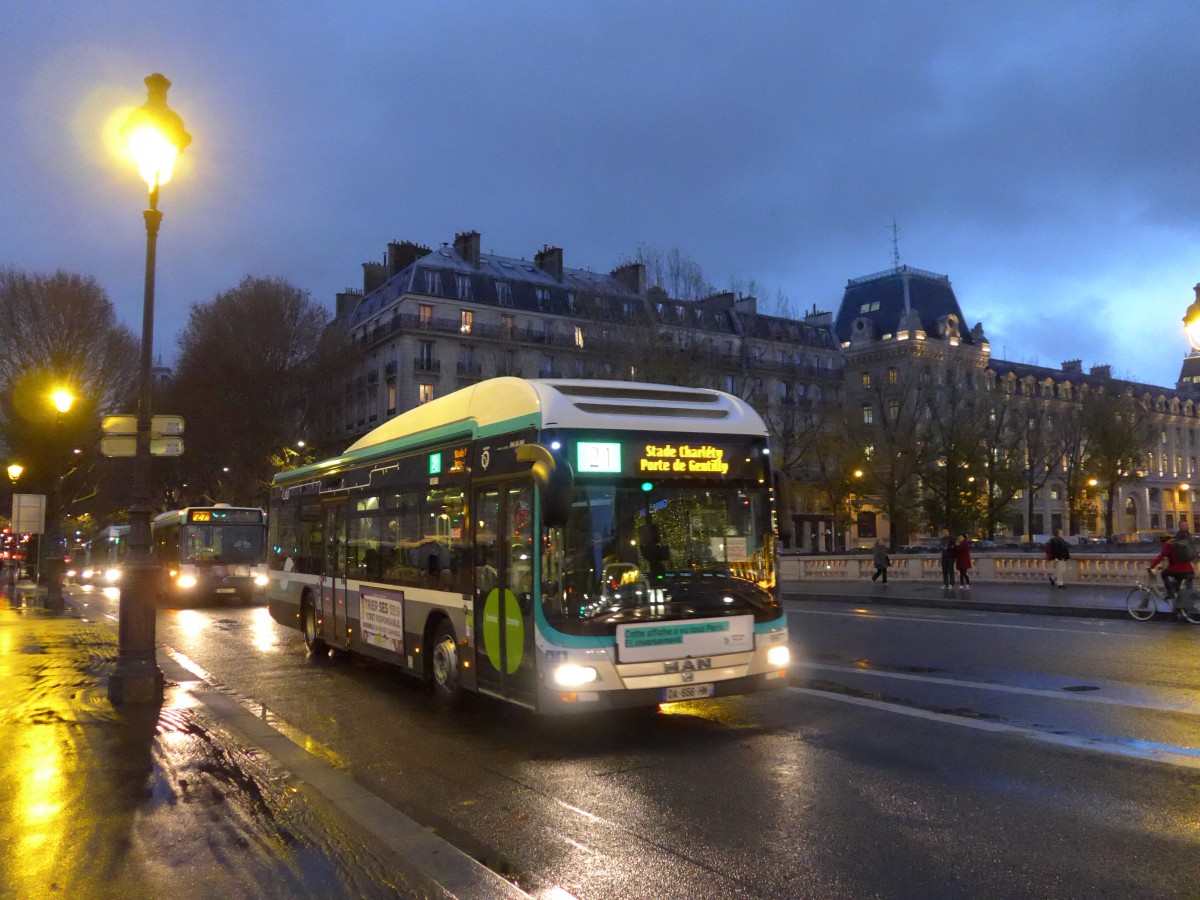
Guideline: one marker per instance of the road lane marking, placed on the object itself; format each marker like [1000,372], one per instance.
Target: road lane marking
[1192,708]
[1139,750]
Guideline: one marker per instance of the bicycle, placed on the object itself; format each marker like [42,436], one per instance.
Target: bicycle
[1144,600]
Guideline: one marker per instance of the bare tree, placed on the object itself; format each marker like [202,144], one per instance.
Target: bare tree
[1121,428]
[955,423]
[893,450]
[1003,456]
[249,361]
[61,331]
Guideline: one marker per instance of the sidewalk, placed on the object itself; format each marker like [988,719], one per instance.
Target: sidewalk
[198,798]
[1090,600]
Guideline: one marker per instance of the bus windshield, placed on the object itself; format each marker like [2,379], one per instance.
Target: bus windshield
[632,555]
[222,544]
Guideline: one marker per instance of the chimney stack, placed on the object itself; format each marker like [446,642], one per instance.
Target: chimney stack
[1073,366]
[549,260]
[1102,371]
[375,275]
[466,245]
[633,276]
[402,255]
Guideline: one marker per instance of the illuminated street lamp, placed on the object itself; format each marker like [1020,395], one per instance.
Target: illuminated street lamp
[14,471]
[1191,321]
[62,400]
[154,136]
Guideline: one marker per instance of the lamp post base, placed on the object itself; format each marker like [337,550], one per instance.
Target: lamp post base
[137,678]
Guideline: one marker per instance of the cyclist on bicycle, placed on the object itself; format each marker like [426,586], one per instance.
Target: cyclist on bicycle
[1177,554]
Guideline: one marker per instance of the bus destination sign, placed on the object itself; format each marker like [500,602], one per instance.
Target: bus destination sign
[671,459]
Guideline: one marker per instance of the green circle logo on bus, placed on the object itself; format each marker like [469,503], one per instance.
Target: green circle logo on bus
[514,629]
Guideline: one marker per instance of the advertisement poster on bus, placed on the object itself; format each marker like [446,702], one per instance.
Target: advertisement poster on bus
[383,618]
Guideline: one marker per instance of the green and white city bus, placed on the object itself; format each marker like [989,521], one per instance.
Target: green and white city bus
[565,545]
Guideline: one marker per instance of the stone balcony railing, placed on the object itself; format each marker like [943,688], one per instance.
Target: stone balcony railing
[1011,568]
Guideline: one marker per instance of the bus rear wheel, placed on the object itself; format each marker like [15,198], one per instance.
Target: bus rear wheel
[443,664]
[312,637]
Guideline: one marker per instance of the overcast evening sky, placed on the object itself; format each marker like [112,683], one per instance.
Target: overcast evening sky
[1044,155]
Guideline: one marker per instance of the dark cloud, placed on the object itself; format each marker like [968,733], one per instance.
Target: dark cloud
[1037,153]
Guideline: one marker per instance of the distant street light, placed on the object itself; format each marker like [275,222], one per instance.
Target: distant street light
[14,471]
[154,136]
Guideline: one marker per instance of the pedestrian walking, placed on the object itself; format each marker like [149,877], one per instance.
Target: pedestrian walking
[1058,551]
[962,561]
[946,545]
[882,560]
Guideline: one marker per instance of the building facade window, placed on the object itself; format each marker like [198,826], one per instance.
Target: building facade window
[866,379]
[892,375]
[466,321]
[463,283]
[507,324]
[868,414]
[579,337]
[893,410]
[425,315]
[433,283]
[391,396]
[424,392]
[504,293]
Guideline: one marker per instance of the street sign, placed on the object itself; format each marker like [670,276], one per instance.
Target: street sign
[126,445]
[160,426]
[29,513]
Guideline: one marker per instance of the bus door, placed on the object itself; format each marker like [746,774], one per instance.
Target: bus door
[333,575]
[504,590]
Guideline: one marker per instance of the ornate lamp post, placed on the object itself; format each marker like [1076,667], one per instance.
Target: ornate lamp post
[155,136]
[63,400]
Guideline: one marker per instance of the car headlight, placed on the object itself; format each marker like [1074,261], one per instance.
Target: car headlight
[112,575]
[186,581]
[571,675]
[87,574]
[260,580]
[779,655]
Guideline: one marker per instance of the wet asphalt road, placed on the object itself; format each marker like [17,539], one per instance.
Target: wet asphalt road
[920,754]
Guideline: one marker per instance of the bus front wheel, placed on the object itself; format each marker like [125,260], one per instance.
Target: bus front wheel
[312,637]
[443,661]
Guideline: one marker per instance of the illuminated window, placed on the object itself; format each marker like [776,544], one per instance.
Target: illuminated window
[424,392]
[425,315]
[868,414]
[506,323]
[892,375]
[466,321]
[866,379]
[578,337]
[391,396]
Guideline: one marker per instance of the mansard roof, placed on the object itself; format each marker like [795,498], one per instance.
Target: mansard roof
[523,277]
[886,296]
[1092,379]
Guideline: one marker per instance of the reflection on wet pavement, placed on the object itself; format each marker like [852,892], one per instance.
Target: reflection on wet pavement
[143,801]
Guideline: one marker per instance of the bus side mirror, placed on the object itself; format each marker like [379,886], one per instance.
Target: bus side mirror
[555,481]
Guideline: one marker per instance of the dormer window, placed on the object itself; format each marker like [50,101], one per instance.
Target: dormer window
[504,293]
[433,283]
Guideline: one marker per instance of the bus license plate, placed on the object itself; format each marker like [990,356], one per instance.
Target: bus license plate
[687,692]
[226,590]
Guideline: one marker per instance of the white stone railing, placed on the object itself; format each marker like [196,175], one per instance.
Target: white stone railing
[1005,567]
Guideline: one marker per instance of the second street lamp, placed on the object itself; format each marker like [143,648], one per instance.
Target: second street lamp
[155,136]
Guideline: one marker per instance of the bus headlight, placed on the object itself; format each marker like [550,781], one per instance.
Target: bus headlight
[260,580]
[571,675]
[87,574]
[186,581]
[112,576]
[779,655]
